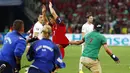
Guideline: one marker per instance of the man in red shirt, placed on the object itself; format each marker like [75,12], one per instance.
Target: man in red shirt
[58,29]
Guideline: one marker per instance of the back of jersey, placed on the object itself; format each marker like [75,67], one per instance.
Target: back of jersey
[7,51]
[14,45]
[44,55]
[44,50]
[93,42]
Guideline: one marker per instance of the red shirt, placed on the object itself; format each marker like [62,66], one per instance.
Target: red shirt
[58,35]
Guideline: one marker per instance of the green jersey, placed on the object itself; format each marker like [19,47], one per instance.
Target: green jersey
[93,42]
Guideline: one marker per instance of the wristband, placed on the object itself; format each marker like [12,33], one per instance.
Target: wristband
[114,57]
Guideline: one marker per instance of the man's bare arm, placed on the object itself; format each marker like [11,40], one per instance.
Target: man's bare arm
[109,52]
[76,42]
[53,12]
[107,49]
[44,14]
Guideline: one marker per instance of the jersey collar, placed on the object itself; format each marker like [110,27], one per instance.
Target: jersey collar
[45,39]
[19,34]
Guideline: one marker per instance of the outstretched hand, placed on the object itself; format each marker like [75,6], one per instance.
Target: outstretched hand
[118,61]
[71,42]
[43,8]
[115,58]
[50,4]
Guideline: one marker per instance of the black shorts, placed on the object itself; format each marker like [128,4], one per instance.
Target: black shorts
[5,67]
[34,70]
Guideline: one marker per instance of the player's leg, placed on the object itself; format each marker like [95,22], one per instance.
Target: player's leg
[92,65]
[96,68]
[81,65]
[62,49]
[62,52]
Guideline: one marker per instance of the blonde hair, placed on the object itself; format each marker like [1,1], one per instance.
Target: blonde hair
[46,31]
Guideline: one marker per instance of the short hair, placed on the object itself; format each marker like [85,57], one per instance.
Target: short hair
[88,15]
[40,16]
[47,29]
[17,25]
[98,26]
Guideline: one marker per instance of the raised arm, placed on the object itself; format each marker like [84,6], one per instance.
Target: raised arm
[53,12]
[44,14]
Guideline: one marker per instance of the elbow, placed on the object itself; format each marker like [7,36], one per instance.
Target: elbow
[17,54]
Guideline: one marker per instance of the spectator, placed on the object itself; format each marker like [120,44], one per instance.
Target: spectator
[6,29]
[1,39]
[73,12]
[124,29]
[117,29]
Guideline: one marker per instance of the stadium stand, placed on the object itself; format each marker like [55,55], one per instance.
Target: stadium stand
[114,14]
[74,13]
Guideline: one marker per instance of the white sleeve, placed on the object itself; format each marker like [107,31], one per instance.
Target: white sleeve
[84,28]
[36,28]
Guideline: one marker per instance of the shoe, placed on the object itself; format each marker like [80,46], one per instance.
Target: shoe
[26,70]
[81,71]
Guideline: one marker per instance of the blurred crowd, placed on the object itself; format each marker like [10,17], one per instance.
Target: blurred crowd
[114,14]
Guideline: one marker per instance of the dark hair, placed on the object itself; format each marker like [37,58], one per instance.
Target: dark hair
[17,25]
[98,26]
[88,15]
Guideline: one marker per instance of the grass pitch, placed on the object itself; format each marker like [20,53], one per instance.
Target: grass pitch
[73,54]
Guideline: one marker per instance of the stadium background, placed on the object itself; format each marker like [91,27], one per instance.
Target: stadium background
[113,14]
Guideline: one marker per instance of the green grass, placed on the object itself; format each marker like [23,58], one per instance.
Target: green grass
[108,65]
